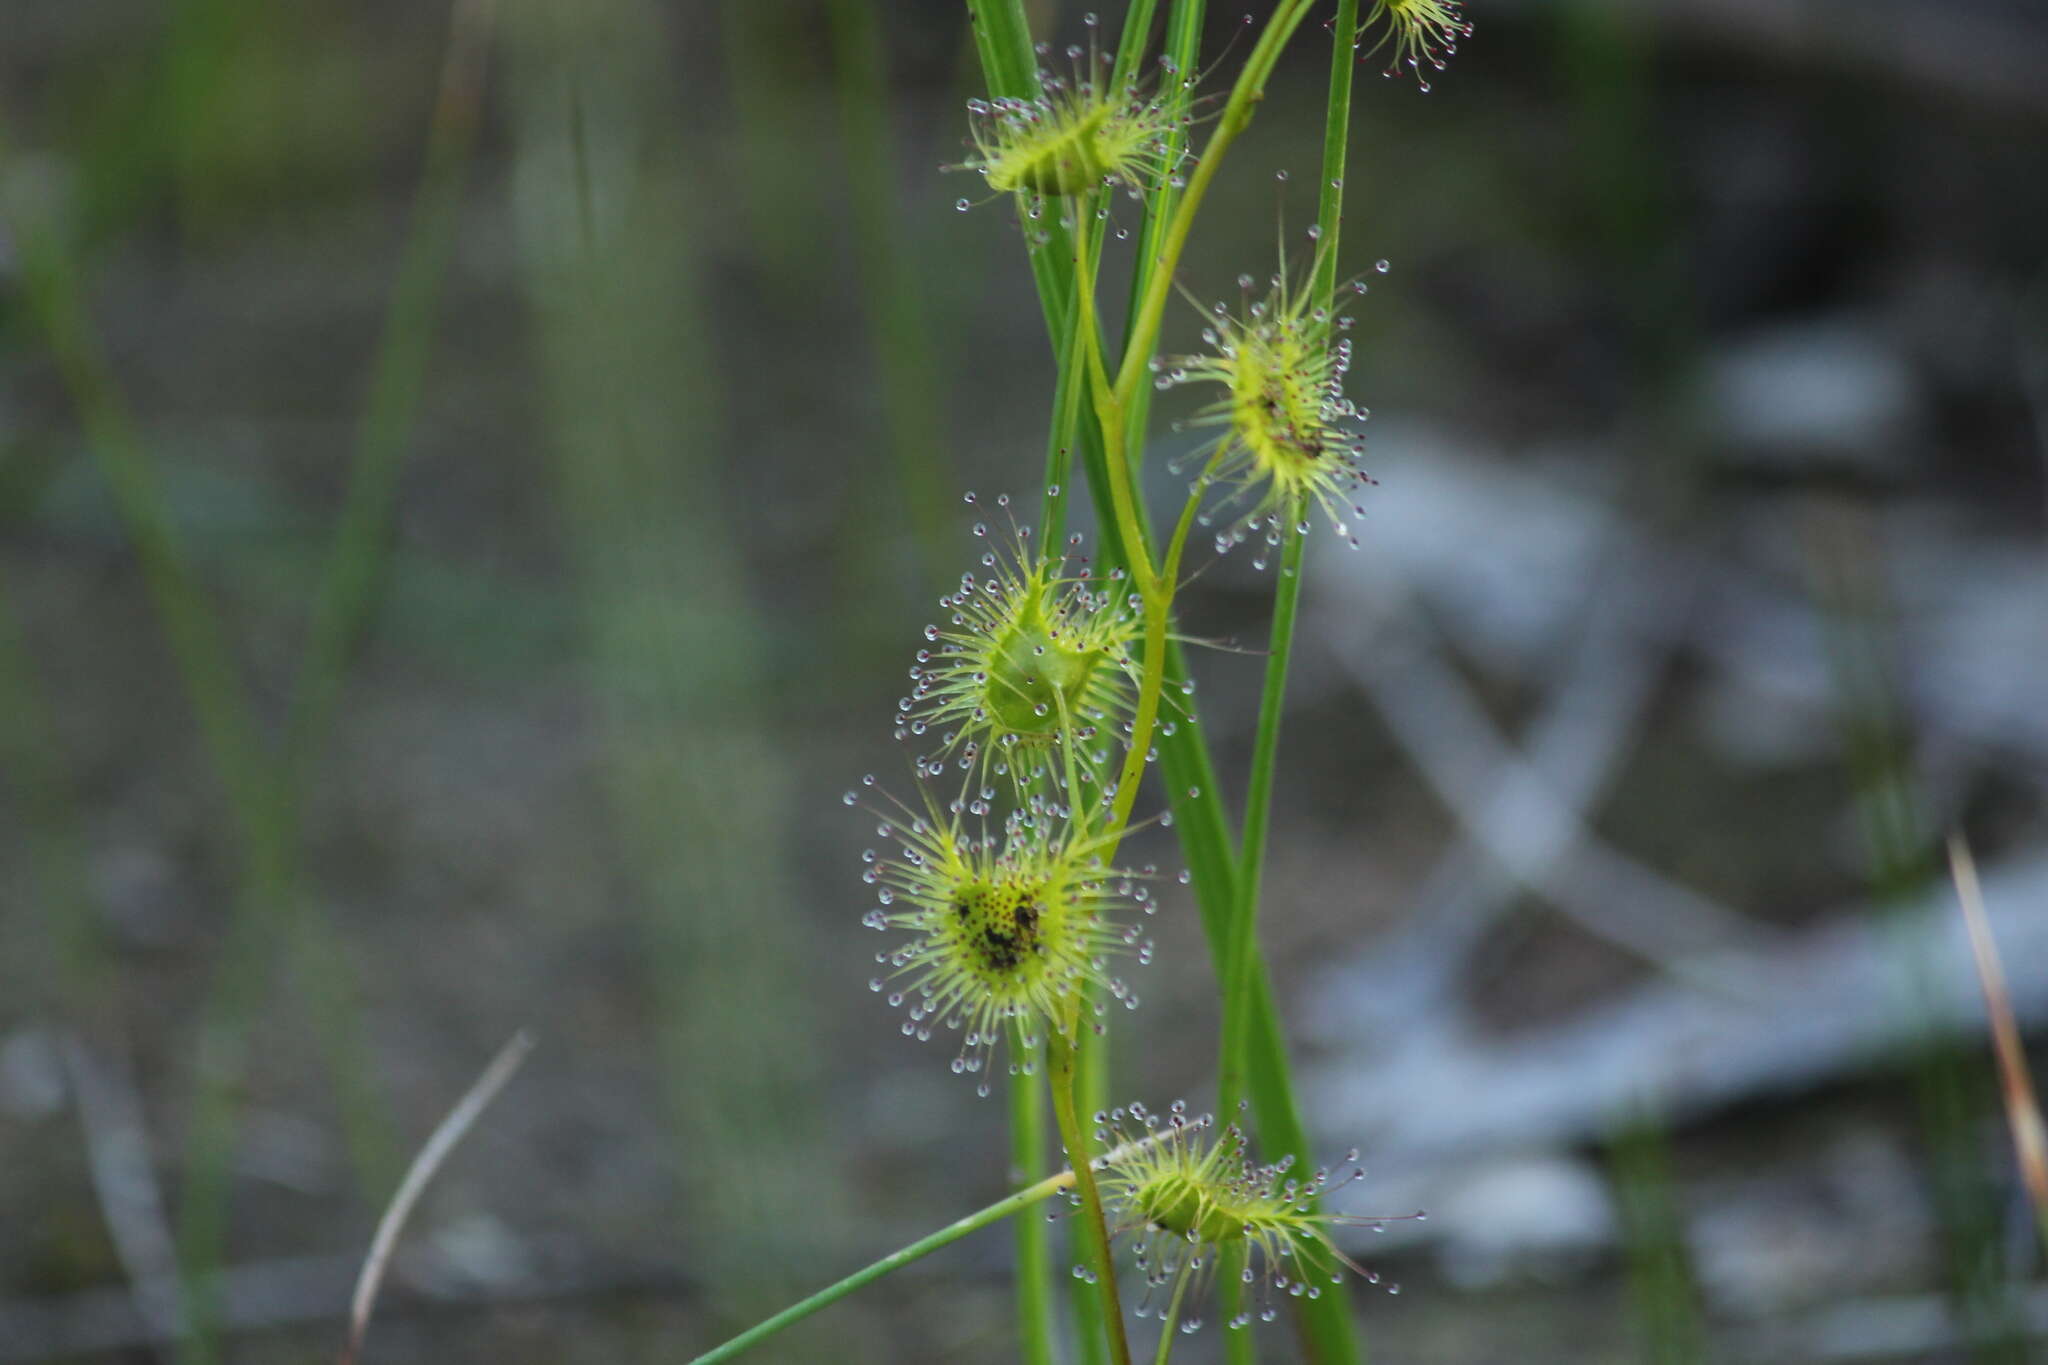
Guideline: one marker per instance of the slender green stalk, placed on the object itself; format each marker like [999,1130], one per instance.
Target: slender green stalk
[1240,1347]
[1257,818]
[1237,116]
[1112,398]
[866,1275]
[1002,35]
[1090,1328]
[1237,973]
[1336,140]
[1080,1157]
[1171,1321]
[1158,607]
[1070,382]
[1130,43]
[1155,586]
[1036,1193]
[1091,1324]
[1059,447]
[1091,1083]
[1183,49]
[1327,1326]
[1033,1246]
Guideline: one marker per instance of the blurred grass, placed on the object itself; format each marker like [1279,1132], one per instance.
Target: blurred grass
[227,724]
[774,81]
[265,787]
[913,395]
[58,968]
[259,105]
[1951,1083]
[1663,1297]
[606,201]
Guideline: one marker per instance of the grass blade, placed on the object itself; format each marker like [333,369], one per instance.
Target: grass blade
[2016,1082]
[451,1130]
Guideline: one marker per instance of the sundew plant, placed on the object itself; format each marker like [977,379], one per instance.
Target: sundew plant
[1052,681]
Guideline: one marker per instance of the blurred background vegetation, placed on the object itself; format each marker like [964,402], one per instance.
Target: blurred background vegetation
[470,482]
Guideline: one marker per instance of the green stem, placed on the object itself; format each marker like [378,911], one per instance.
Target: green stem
[1257,817]
[1002,38]
[1240,1346]
[924,1246]
[1091,1096]
[1091,1071]
[1155,588]
[1336,138]
[1183,47]
[1247,1010]
[1237,115]
[1152,681]
[1113,399]
[1033,1246]
[1059,452]
[1130,45]
[1172,1318]
[1080,353]
[1023,1199]
[1080,1157]
[1234,1061]
[1091,1318]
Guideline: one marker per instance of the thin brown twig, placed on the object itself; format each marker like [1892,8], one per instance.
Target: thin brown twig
[421,1171]
[2022,1109]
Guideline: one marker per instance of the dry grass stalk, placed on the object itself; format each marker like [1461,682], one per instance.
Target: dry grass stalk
[2022,1109]
[422,1170]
